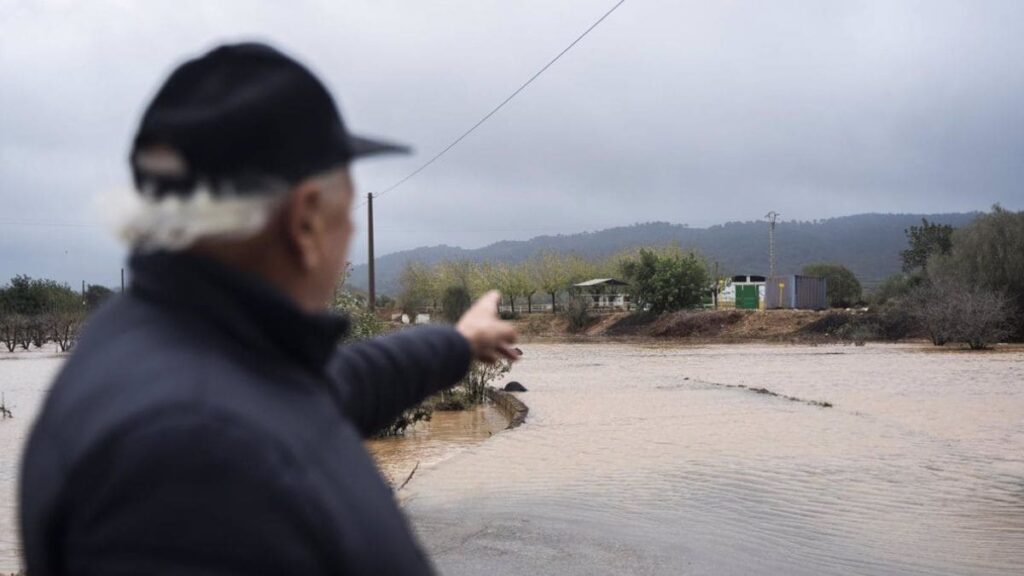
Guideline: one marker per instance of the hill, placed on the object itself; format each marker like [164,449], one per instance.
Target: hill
[868,244]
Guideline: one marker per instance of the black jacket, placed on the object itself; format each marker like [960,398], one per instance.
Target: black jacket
[206,425]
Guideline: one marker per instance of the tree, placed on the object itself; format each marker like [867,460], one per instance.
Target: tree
[34,311]
[363,322]
[462,273]
[526,271]
[989,254]
[455,302]
[843,287]
[953,310]
[96,295]
[512,281]
[419,287]
[666,281]
[552,275]
[895,288]
[579,269]
[925,241]
[8,320]
[65,315]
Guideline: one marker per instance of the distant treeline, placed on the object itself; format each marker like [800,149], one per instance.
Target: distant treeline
[34,312]
[868,244]
[959,284]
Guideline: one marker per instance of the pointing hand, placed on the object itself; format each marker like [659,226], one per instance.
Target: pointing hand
[490,338]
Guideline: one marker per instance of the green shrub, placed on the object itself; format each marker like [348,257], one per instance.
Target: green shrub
[455,302]
[666,280]
[577,312]
[843,287]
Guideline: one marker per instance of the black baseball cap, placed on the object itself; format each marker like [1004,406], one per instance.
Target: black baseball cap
[241,113]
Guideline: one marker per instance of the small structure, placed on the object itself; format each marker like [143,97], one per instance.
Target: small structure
[749,291]
[745,292]
[796,292]
[607,293]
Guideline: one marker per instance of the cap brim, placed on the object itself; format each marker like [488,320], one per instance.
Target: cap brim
[360,147]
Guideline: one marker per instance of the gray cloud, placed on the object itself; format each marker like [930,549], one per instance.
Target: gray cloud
[689,112]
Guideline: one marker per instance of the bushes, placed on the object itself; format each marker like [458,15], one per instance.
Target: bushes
[363,321]
[455,302]
[895,288]
[405,420]
[890,323]
[843,287]
[667,280]
[577,312]
[701,324]
[33,312]
[951,310]
[989,254]
[471,391]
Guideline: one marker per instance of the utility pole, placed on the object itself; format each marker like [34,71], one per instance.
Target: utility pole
[122,280]
[772,217]
[370,264]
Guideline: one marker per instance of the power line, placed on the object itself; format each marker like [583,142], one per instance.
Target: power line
[51,224]
[494,111]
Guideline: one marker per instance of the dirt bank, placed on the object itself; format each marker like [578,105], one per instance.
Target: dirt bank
[728,326]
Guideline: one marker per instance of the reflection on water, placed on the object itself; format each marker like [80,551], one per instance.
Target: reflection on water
[638,460]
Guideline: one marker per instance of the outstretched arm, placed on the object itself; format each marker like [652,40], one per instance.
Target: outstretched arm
[380,378]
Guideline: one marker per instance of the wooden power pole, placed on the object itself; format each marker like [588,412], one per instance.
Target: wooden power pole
[372,303]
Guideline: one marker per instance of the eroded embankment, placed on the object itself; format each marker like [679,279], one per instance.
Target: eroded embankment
[512,407]
[732,326]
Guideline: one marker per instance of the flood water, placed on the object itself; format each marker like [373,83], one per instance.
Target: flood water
[429,444]
[24,378]
[643,460]
[640,460]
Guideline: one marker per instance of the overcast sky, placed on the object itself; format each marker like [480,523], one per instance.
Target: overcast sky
[690,112]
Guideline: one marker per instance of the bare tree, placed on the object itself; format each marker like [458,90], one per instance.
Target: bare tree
[952,310]
[8,331]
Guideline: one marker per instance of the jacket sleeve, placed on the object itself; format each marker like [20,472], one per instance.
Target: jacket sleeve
[190,494]
[377,379]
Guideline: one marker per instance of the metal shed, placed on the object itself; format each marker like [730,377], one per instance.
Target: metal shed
[796,292]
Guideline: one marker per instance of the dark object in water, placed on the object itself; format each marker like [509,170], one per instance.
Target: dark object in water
[514,387]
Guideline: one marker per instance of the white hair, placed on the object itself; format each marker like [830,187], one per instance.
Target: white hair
[175,223]
[172,222]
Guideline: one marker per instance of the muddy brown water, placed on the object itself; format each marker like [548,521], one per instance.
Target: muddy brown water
[643,460]
[25,376]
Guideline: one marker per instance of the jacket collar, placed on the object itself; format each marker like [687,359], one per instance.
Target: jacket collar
[244,306]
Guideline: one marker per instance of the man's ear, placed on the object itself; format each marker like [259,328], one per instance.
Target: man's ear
[304,224]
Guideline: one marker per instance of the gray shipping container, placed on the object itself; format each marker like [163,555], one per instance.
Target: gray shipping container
[796,292]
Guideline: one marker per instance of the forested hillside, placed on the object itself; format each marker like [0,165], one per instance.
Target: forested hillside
[868,244]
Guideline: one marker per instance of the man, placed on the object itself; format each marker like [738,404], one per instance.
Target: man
[207,422]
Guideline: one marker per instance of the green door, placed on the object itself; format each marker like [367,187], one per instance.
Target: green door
[746,296]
